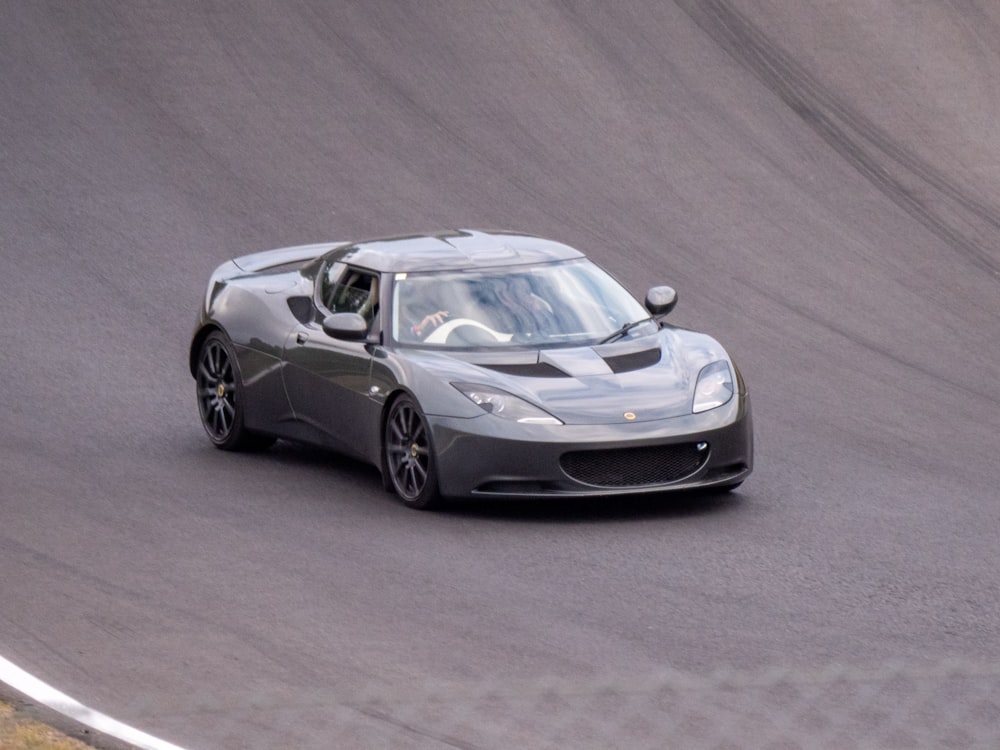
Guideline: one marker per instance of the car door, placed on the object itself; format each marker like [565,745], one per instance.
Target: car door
[327,379]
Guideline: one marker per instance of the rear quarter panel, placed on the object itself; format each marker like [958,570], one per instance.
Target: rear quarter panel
[253,312]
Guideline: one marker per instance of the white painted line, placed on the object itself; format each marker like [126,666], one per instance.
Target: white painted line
[38,691]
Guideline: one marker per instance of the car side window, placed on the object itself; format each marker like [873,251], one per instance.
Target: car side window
[348,289]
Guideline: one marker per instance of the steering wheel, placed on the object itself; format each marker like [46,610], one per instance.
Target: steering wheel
[442,334]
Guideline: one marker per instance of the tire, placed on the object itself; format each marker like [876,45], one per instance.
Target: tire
[221,404]
[410,468]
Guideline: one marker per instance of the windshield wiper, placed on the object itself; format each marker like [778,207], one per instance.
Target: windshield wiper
[622,331]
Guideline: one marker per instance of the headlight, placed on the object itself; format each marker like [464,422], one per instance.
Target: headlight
[506,405]
[714,388]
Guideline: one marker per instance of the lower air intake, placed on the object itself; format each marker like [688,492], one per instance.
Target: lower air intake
[634,467]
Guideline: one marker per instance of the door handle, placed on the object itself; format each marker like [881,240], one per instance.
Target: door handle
[301,338]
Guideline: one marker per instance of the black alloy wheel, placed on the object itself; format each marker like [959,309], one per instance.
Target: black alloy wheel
[409,455]
[220,397]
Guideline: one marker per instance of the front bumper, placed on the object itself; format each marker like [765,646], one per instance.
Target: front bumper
[491,457]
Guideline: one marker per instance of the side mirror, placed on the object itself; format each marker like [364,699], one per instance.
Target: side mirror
[660,300]
[347,326]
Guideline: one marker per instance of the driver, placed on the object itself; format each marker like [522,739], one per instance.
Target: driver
[421,314]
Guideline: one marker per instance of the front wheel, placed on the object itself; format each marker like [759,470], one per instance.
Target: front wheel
[409,455]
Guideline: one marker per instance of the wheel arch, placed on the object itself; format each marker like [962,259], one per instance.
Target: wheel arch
[197,340]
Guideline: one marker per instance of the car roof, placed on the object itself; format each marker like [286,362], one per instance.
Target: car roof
[453,250]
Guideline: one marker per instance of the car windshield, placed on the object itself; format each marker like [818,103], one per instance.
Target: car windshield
[566,303]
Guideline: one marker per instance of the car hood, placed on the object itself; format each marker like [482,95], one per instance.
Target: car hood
[639,380]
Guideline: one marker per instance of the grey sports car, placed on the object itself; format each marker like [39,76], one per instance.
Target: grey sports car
[468,364]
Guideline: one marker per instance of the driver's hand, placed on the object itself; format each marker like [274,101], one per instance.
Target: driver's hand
[433,320]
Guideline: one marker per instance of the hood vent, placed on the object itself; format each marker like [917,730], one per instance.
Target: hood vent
[529,370]
[633,361]
[617,364]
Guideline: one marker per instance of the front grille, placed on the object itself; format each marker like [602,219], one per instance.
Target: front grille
[635,467]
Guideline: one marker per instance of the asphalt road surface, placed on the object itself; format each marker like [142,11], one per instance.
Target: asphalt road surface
[821,183]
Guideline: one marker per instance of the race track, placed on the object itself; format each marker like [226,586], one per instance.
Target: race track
[821,183]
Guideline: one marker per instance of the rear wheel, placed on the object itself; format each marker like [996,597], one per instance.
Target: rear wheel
[409,455]
[220,397]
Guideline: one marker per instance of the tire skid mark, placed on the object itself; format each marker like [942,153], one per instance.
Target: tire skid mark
[802,311]
[968,225]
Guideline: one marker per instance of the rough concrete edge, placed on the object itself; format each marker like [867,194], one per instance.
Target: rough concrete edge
[26,707]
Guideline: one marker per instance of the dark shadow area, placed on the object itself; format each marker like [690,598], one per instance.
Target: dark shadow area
[301,455]
[659,505]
